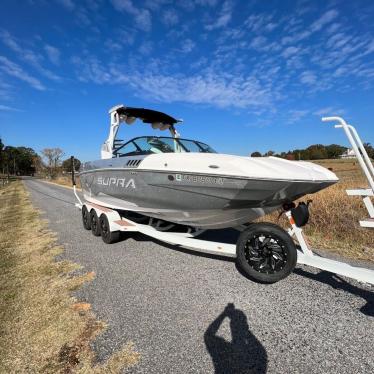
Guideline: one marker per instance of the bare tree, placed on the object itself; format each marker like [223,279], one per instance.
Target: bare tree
[38,165]
[53,157]
[57,156]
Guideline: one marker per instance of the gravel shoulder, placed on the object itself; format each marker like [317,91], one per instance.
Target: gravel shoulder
[176,306]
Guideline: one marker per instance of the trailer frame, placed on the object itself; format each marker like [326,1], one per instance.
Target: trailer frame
[305,256]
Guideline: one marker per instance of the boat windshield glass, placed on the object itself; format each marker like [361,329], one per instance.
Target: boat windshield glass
[153,144]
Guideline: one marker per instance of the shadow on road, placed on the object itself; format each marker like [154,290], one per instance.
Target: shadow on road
[339,283]
[244,354]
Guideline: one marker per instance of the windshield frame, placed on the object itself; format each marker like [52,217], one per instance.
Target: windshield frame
[203,147]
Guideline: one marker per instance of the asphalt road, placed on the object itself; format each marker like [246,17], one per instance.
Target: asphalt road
[176,306]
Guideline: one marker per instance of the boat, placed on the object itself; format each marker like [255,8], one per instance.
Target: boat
[172,190]
[187,182]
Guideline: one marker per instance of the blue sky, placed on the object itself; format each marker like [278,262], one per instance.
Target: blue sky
[244,76]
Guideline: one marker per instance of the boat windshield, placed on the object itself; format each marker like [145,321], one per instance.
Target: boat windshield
[153,144]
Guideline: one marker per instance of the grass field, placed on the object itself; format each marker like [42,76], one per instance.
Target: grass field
[334,223]
[43,329]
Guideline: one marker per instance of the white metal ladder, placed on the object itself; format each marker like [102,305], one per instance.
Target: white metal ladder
[366,166]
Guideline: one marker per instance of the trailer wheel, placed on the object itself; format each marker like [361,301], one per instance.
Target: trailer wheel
[95,225]
[266,253]
[86,219]
[108,236]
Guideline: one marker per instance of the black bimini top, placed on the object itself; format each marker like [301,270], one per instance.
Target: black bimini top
[147,115]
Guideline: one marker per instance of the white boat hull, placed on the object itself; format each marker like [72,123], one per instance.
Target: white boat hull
[202,198]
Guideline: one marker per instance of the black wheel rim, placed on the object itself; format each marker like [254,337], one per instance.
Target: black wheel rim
[266,253]
[94,223]
[104,228]
[85,217]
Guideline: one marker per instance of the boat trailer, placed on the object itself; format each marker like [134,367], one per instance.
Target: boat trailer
[109,223]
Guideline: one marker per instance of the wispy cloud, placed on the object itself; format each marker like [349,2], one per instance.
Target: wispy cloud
[329,111]
[308,77]
[142,17]
[289,51]
[338,40]
[295,116]
[53,54]
[257,60]
[334,27]
[68,4]
[6,108]
[156,5]
[90,69]
[146,48]
[300,32]
[27,55]
[5,88]
[219,90]
[212,88]
[263,44]
[206,2]
[187,46]
[230,75]
[324,20]
[370,47]
[258,42]
[260,23]
[16,71]
[126,36]
[170,17]
[9,41]
[223,17]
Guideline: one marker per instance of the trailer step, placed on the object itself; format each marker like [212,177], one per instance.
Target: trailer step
[360,192]
[367,223]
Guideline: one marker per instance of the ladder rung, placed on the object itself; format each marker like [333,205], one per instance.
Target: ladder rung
[367,223]
[360,192]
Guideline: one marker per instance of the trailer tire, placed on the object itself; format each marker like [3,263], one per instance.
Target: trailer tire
[266,253]
[86,219]
[95,225]
[108,236]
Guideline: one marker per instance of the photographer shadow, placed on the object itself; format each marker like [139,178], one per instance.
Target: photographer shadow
[244,354]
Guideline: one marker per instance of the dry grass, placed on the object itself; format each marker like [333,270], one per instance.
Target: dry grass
[43,329]
[334,223]
[66,181]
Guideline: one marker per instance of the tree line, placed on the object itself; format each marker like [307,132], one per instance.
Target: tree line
[25,161]
[314,152]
